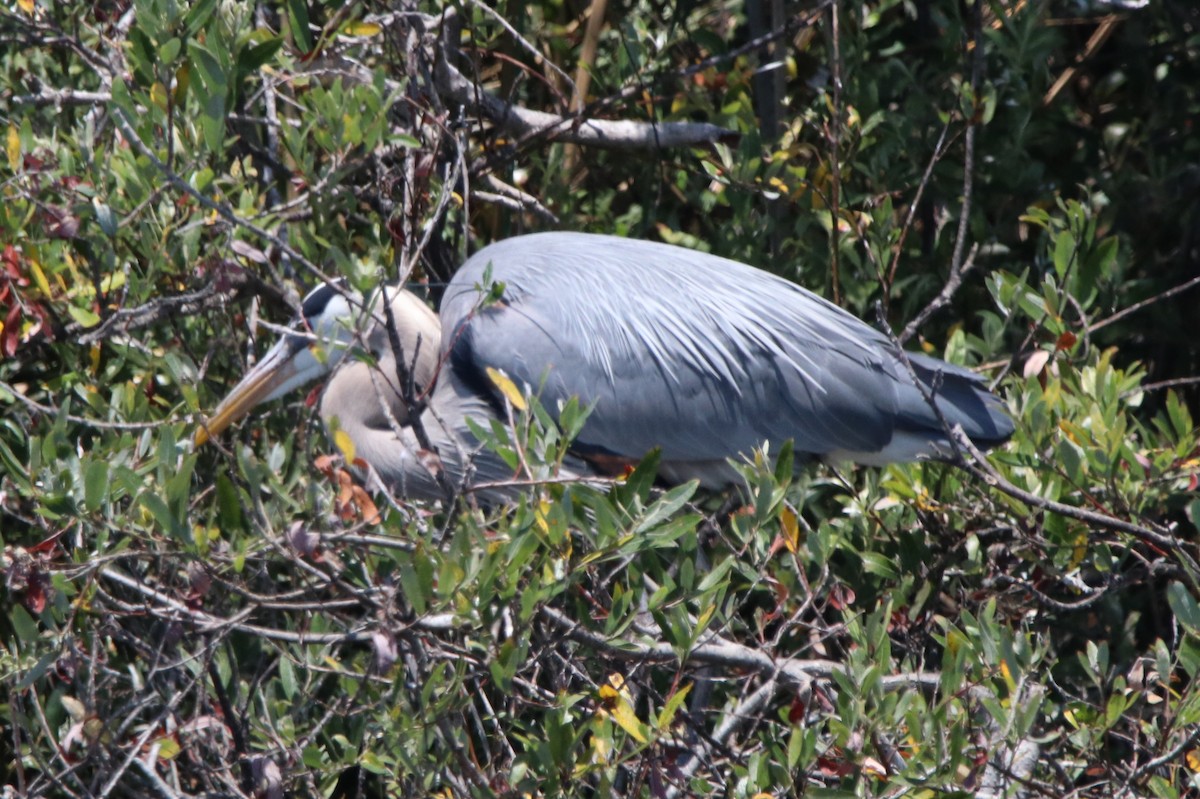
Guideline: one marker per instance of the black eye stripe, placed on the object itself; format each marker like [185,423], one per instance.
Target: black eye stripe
[318,300]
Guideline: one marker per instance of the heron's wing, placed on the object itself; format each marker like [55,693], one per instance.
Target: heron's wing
[701,356]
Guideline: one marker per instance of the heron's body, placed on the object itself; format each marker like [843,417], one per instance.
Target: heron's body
[701,357]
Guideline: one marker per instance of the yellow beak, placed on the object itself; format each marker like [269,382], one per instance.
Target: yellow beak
[286,366]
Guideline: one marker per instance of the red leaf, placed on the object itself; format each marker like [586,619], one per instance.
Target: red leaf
[796,711]
[10,336]
[835,768]
[12,265]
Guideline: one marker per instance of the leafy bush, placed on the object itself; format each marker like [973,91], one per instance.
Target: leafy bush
[1010,186]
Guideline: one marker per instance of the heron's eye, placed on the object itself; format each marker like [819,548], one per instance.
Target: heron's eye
[317,301]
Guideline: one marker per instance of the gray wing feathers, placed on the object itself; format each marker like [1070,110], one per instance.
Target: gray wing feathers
[653,334]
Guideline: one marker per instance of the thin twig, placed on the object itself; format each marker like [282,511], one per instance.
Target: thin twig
[834,132]
[744,712]
[979,466]
[1137,306]
[951,287]
[1178,382]
[96,424]
[939,150]
[968,185]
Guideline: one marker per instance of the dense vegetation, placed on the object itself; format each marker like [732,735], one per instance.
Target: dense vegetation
[1011,185]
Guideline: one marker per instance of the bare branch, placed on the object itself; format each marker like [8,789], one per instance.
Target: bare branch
[978,465]
[968,185]
[746,711]
[1137,306]
[59,98]
[953,283]
[97,424]
[794,671]
[211,296]
[613,134]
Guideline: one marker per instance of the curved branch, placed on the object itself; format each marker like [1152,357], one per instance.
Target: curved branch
[613,134]
[792,671]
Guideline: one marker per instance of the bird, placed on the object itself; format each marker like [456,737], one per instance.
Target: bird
[699,357]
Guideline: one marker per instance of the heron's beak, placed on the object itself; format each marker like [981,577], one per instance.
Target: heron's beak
[286,366]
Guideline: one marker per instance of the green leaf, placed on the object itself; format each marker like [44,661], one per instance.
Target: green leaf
[1184,606]
[159,511]
[667,715]
[1064,253]
[95,484]
[105,218]
[666,506]
[297,14]
[877,563]
[1098,264]
[170,50]
[252,58]
[85,317]
[198,15]
[23,624]
[287,677]
[642,478]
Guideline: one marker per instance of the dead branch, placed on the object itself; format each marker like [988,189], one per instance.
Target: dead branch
[612,134]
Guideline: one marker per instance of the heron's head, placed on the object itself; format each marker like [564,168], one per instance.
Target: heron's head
[323,332]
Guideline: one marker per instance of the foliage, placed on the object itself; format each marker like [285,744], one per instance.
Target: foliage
[225,621]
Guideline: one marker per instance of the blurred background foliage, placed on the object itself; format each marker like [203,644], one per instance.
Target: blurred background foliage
[238,622]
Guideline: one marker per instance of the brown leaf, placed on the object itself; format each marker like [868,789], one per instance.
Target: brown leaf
[60,223]
[249,252]
[301,539]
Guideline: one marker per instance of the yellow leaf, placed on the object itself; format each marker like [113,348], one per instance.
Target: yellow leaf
[13,146]
[74,708]
[359,28]
[705,617]
[26,6]
[601,749]
[112,281]
[1193,759]
[1006,673]
[540,516]
[183,79]
[623,714]
[158,95]
[342,439]
[791,530]
[168,748]
[39,276]
[507,387]
[1081,549]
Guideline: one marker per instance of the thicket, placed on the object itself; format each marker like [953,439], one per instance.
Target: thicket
[1014,186]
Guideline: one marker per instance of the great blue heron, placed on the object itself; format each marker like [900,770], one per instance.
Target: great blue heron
[702,357]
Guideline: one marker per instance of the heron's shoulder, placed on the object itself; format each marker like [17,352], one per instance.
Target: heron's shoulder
[607,277]
[545,261]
